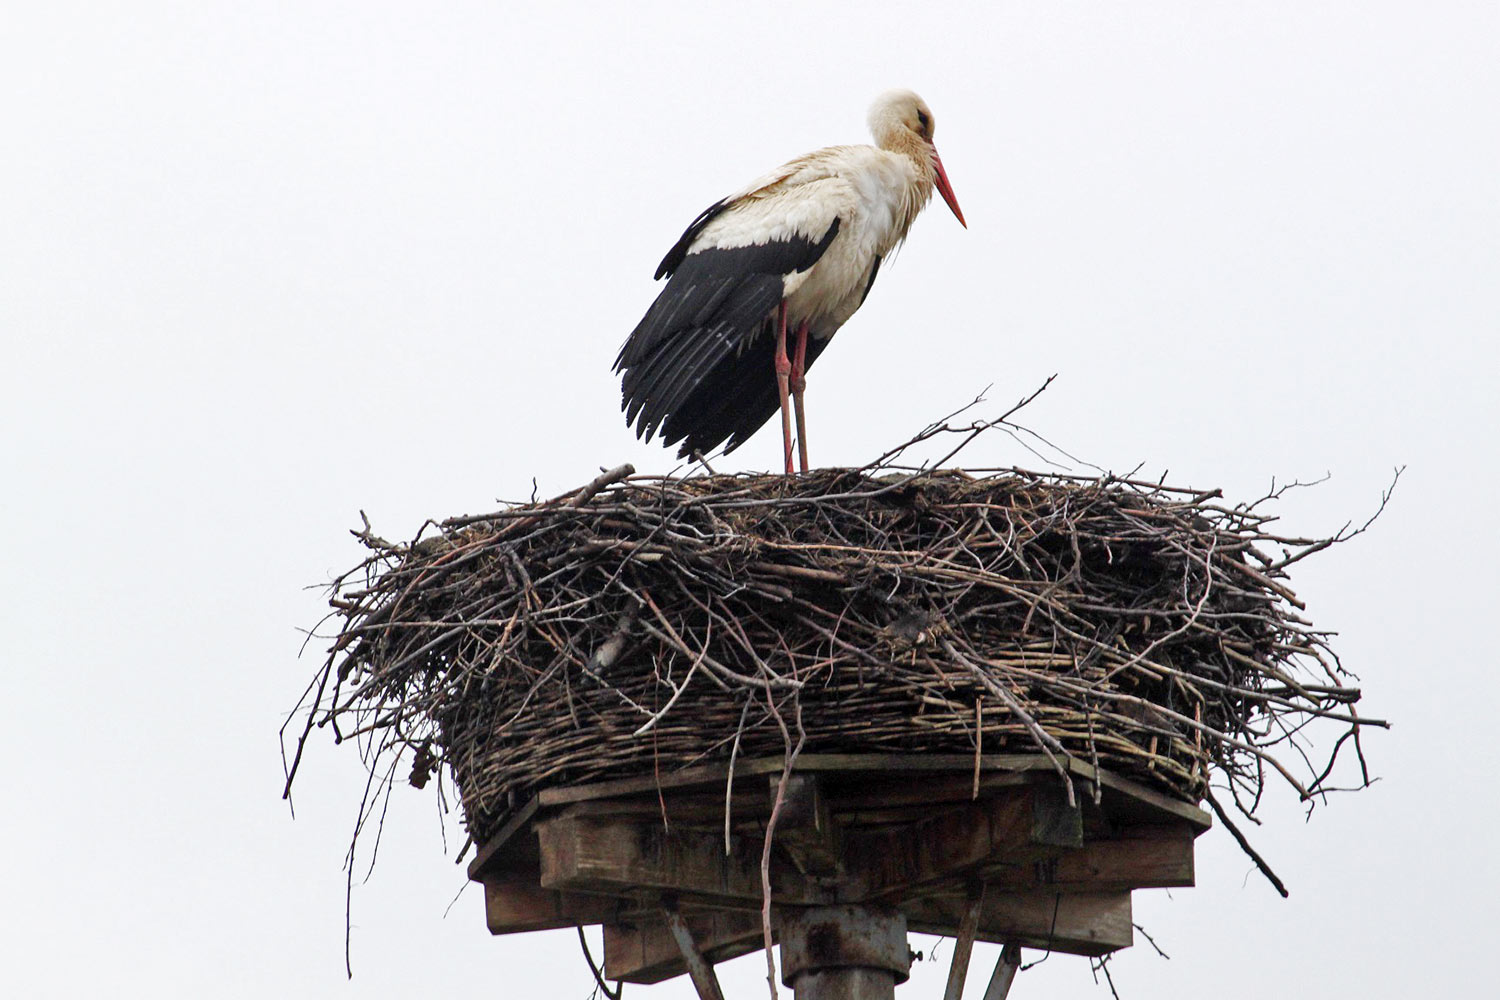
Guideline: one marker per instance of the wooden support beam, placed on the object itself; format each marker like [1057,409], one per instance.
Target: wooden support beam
[897,790]
[1002,838]
[1145,804]
[894,863]
[501,850]
[698,968]
[805,828]
[1154,857]
[1075,924]
[519,904]
[880,830]
[623,857]
[644,951]
[963,943]
[1146,857]
[1053,820]
[1134,802]
[1005,972]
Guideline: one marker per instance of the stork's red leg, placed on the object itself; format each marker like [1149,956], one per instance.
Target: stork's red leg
[798,383]
[783,378]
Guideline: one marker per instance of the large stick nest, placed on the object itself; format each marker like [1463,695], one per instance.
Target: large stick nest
[643,624]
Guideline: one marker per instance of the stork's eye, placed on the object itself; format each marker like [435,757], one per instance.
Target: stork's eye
[923,120]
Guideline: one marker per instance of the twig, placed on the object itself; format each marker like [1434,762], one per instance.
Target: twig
[765,855]
[610,994]
[1239,838]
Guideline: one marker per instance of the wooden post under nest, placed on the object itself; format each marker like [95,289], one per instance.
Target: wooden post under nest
[865,844]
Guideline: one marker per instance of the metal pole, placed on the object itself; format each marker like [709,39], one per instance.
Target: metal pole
[844,953]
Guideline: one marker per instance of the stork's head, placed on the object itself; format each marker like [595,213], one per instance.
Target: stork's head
[900,121]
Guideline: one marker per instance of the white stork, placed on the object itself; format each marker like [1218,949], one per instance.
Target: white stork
[797,249]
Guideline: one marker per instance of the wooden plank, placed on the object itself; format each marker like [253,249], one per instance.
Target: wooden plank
[1145,800]
[889,864]
[1156,857]
[612,856]
[515,905]
[890,817]
[644,951]
[701,808]
[493,853]
[1074,924]
[917,763]
[1002,838]
[713,774]
[805,828]
[1151,799]
[857,790]
[1053,820]
[1144,857]
[702,774]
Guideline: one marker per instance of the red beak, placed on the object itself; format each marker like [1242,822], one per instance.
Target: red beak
[946,190]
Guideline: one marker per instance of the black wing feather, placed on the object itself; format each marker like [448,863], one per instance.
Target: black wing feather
[734,401]
[679,250]
[698,366]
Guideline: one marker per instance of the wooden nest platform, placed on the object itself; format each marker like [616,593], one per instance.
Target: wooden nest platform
[1053,667]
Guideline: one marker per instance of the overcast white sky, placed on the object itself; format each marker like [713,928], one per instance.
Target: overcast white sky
[264,265]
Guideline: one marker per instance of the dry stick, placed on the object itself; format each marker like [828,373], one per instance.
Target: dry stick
[661,797]
[1178,717]
[678,689]
[980,428]
[978,743]
[1239,837]
[931,430]
[676,640]
[359,824]
[584,495]
[1253,664]
[731,625]
[444,564]
[291,772]
[600,481]
[734,752]
[1385,498]
[765,853]
[1045,740]
[609,994]
[1208,586]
